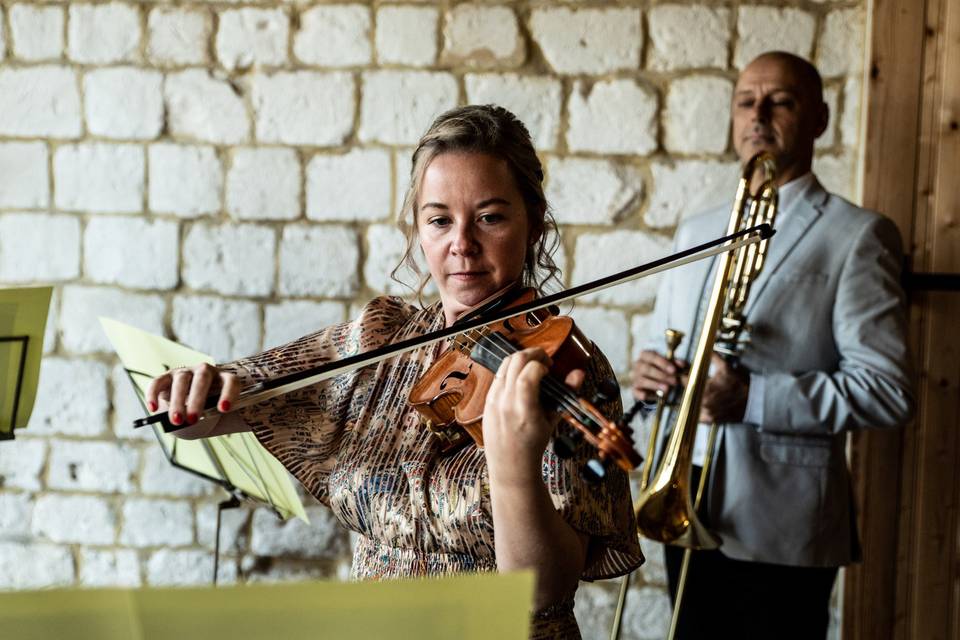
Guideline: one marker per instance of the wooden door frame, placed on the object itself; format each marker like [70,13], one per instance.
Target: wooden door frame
[907,482]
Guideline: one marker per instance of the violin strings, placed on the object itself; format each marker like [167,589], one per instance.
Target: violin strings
[552,389]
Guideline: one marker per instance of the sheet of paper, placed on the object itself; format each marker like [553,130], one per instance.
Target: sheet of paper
[23,313]
[470,607]
[238,458]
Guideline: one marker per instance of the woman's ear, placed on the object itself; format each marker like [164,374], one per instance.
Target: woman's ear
[536,228]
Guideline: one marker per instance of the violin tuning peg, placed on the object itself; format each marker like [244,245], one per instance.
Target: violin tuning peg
[564,446]
[593,471]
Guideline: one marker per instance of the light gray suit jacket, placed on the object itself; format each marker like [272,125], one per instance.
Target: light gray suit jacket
[827,355]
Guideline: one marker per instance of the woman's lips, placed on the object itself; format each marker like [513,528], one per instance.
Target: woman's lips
[466,276]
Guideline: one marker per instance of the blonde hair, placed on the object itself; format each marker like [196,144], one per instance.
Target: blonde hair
[494,131]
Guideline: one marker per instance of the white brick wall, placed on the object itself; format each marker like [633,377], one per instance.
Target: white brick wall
[592,41]
[693,123]
[226,174]
[101,568]
[229,259]
[79,328]
[131,252]
[290,320]
[102,33]
[481,36]
[24,178]
[615,116]
[224,329]
[33,566]
[102,467]
[334,36]
[154,523]
[74,519]
[71,399]
[351,186]
[37,31]
[318,261]
[769,28]
[248,37]
[583,191]
[123,102]
[385,246]
[202,107]
[178,36]
[24,236]
[407,35]
[39,101]
[683,37]
[425,95]
[304,108]
[184,180]
[100,177]
[21,463]
[264,184]
[533,99]
[273,537]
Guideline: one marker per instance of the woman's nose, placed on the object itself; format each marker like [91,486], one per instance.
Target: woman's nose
[464,240]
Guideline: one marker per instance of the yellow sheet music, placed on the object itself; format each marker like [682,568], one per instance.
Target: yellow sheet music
[470,607]
[237,458]
[23,313]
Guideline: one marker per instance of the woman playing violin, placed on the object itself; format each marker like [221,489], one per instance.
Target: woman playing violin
[476,210]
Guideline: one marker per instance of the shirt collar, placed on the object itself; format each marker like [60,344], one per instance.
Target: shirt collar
[793,189]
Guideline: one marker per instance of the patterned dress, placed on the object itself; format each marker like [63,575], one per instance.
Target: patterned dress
[355,445]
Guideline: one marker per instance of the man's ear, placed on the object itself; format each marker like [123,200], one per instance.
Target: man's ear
[822,120]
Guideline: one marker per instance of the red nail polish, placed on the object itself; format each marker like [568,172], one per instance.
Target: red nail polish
[177,418]
[192,418]
[152,406]
[225,406]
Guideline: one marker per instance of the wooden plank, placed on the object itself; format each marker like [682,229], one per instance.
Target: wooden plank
[935,576]
[893,98]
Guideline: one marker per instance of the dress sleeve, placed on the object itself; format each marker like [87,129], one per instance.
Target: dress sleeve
[304,429]
[601,510]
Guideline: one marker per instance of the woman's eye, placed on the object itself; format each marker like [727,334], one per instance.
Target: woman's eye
[438,222]
[491,218]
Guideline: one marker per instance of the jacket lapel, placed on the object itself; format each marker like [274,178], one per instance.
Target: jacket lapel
[791,225]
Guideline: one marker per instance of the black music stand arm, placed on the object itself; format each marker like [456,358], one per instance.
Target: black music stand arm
[24,342]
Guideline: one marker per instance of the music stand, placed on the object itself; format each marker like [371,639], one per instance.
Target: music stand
[23,320]
[18,387]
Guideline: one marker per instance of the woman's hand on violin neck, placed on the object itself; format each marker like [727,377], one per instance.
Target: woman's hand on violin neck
[183,393]
[516,429]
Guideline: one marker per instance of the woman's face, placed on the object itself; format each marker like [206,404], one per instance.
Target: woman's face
[473,228]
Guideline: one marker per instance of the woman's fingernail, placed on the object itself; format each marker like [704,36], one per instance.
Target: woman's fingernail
[152,406]
[192,418]
[224,406]
[177,418]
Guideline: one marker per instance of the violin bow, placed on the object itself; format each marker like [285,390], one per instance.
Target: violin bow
[288,383]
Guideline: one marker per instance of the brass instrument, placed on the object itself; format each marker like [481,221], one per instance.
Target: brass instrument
[665,510]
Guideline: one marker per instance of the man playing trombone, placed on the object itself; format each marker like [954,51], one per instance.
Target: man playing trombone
[826,354]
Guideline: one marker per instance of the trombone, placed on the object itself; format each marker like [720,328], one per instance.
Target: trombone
[665,510]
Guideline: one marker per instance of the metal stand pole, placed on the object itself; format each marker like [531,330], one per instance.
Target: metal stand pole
[682,583]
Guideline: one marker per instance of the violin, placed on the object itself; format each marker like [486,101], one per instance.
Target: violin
[491,333]
[450,396]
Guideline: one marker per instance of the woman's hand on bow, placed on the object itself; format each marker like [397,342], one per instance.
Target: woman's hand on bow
[183,392]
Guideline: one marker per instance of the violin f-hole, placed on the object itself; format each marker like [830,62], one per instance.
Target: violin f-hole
[457,375]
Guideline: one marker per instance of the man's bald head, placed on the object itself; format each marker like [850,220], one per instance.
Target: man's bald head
[778,107]
[806,74]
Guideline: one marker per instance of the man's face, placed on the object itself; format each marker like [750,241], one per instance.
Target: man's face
[774,110]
